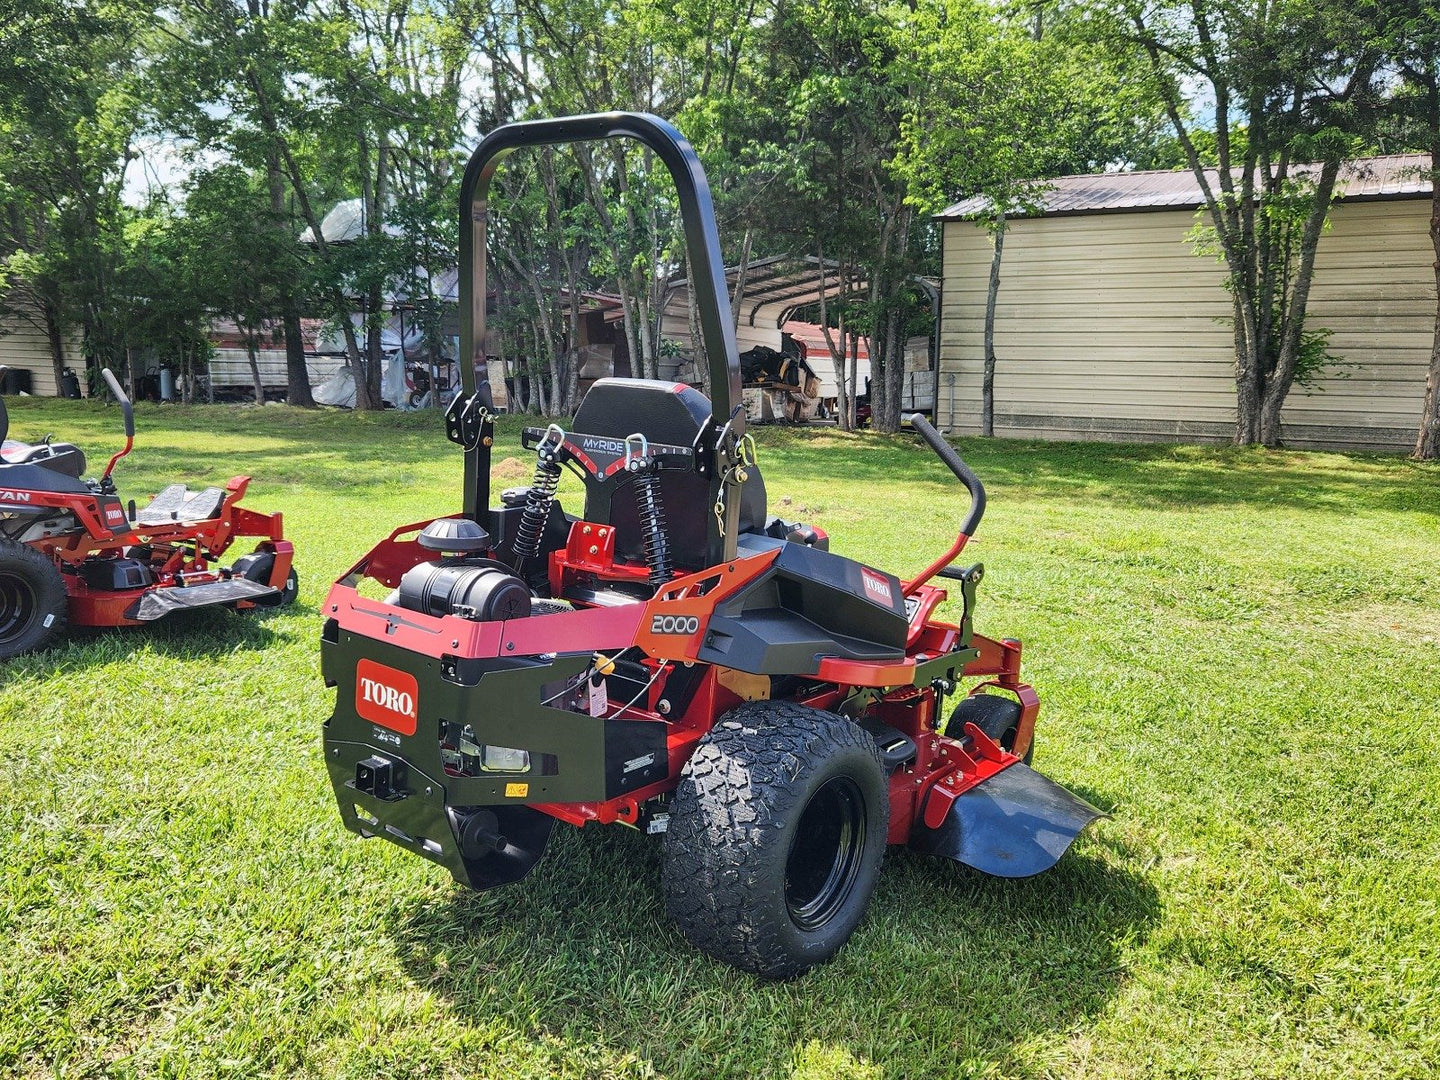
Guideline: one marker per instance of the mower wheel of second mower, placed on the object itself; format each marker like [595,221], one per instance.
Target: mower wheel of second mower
[32,600]
[291,589]
[775,837]
[258,566]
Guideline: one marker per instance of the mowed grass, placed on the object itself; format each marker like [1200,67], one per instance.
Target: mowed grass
[1238,654]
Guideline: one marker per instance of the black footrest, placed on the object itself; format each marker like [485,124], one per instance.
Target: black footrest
[177,503]
[160,602]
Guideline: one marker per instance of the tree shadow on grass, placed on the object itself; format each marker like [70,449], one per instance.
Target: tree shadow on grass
[202,634]
[1135,474]
[358,450]
[949,967]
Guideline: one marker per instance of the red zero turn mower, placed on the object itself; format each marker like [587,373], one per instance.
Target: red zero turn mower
[71,553]
[673,658]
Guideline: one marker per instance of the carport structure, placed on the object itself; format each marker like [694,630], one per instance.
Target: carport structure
[774,290]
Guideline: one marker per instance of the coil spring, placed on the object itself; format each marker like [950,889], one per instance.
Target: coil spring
[537,511]
[652,526]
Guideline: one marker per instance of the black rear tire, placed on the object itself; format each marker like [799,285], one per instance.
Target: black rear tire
[776,837]
[998,717]
[33,606]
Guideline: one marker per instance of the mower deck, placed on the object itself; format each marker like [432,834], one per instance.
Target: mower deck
[154,604]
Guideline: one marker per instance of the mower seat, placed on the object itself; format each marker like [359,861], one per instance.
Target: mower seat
[64,458]
[177,504]
[664,412]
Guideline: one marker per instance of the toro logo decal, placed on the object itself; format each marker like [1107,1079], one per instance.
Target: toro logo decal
[386,697]
[877,586]
[114,515]
[11,495]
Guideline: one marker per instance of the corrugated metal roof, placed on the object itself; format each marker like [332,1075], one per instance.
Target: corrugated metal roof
[1392,176]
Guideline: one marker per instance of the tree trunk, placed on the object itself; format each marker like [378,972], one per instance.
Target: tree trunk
[572,370]
[741,273]
[548,354]
[649,362]
[1249,363]
[539,364]
[368,394]
[628,322]
[187,367]
[878,346]
[297,375]
[556,384]
[270,125]
[846,415]
[507,342]
[894,371]
[992,292]
[57,342]
[1279,382]
[367,379]
[697,352]
[252,353]
[887,357]
[853,411]
[1427,441]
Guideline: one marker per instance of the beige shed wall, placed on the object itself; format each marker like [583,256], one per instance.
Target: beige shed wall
[1108,326]
[24,345]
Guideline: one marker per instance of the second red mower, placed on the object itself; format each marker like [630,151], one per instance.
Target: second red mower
[72,554]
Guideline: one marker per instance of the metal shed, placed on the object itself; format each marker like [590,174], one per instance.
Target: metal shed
[1109,326]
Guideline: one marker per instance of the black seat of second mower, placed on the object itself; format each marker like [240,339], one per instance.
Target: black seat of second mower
[178,504]
[61,457]
[664,412]
[64,458]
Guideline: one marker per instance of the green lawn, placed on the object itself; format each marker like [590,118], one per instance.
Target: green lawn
[1239,656]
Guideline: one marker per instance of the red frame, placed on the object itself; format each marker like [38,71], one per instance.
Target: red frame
[946,766]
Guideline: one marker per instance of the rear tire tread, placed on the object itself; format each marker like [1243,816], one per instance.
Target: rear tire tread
[44,579]
[740,795]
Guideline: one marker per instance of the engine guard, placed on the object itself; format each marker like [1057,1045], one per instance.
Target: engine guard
[1013,825]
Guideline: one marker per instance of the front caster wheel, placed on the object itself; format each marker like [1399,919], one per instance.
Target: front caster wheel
[775,838]
[998,717]
[259,566]
[290,589]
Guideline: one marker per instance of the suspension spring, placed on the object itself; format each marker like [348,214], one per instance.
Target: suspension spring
[652,526]
[537,510]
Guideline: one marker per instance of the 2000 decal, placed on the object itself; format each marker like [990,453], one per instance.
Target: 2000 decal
[674,624]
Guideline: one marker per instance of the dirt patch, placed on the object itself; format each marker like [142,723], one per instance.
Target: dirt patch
[1404,620]
[512,469]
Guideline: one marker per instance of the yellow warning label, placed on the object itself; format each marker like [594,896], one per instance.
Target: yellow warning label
[516,791]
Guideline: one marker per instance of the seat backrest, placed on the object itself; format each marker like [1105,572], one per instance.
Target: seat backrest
[64,458]
[664,412]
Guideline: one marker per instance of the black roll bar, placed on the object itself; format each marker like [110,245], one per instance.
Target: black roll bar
[702,242]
